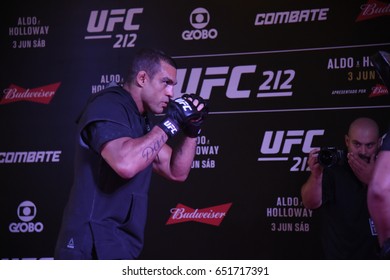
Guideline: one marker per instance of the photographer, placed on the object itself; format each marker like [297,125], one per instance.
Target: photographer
[379,197]
[339,191]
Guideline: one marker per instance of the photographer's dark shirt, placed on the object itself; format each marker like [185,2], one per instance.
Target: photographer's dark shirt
[346,225]
[386,142]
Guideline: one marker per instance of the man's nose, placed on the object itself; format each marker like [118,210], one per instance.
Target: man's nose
[169,91]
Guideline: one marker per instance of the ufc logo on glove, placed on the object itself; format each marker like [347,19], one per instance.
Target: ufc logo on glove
[184,104]
[170,126]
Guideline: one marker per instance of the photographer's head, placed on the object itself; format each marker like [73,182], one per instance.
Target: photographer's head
[363,138]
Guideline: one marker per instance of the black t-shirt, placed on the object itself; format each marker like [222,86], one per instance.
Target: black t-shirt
[347,231]
[104,211]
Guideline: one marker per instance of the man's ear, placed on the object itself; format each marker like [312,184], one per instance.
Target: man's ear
[141,78]
[346,139]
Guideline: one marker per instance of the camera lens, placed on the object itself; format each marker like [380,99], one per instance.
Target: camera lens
[327,157]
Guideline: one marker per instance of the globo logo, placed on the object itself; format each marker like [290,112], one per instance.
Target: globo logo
[26,212]
[199,19]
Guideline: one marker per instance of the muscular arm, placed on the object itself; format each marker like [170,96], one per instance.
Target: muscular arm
[311,190]
[175,164]
[128,156]
[379,196]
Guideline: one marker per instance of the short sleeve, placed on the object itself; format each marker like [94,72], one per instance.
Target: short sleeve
[97,133]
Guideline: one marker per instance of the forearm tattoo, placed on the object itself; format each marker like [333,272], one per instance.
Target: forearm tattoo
[150,151]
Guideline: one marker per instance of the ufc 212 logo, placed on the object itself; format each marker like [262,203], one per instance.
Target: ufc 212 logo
[199,19]
[122,24]
[278,145]
[270,83]
[26,213]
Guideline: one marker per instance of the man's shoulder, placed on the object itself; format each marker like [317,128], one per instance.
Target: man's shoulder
[111,103]
[112,89]
[111,94]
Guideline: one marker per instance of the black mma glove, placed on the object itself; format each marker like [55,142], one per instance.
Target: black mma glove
[179,112]
[192,128]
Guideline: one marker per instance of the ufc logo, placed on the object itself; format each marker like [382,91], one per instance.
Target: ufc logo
[272,83]
[183,104]
[283,141]
[172,128]
[107,19]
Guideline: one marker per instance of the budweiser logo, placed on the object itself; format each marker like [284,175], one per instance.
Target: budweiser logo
[373,9]
[16,93]
[212,215]
[378,90]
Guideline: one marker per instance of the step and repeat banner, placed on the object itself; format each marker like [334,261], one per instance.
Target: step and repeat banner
[281,78]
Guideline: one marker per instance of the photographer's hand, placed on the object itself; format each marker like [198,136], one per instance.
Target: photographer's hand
[362,168]
[311,190]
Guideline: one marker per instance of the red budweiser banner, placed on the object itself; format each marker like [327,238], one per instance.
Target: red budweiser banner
[378,90]
[16,93]
[372,9]
[212,215]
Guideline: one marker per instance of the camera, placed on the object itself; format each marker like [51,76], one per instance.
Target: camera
[329,156]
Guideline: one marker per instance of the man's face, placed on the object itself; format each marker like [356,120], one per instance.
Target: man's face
[362,142]
[159,90]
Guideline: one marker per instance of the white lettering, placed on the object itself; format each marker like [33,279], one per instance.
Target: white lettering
[284,140]
[291,16]
[30,157]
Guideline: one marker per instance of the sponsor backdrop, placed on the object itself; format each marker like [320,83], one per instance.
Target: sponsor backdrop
[281,78]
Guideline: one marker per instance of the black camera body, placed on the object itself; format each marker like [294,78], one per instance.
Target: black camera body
[330,156]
